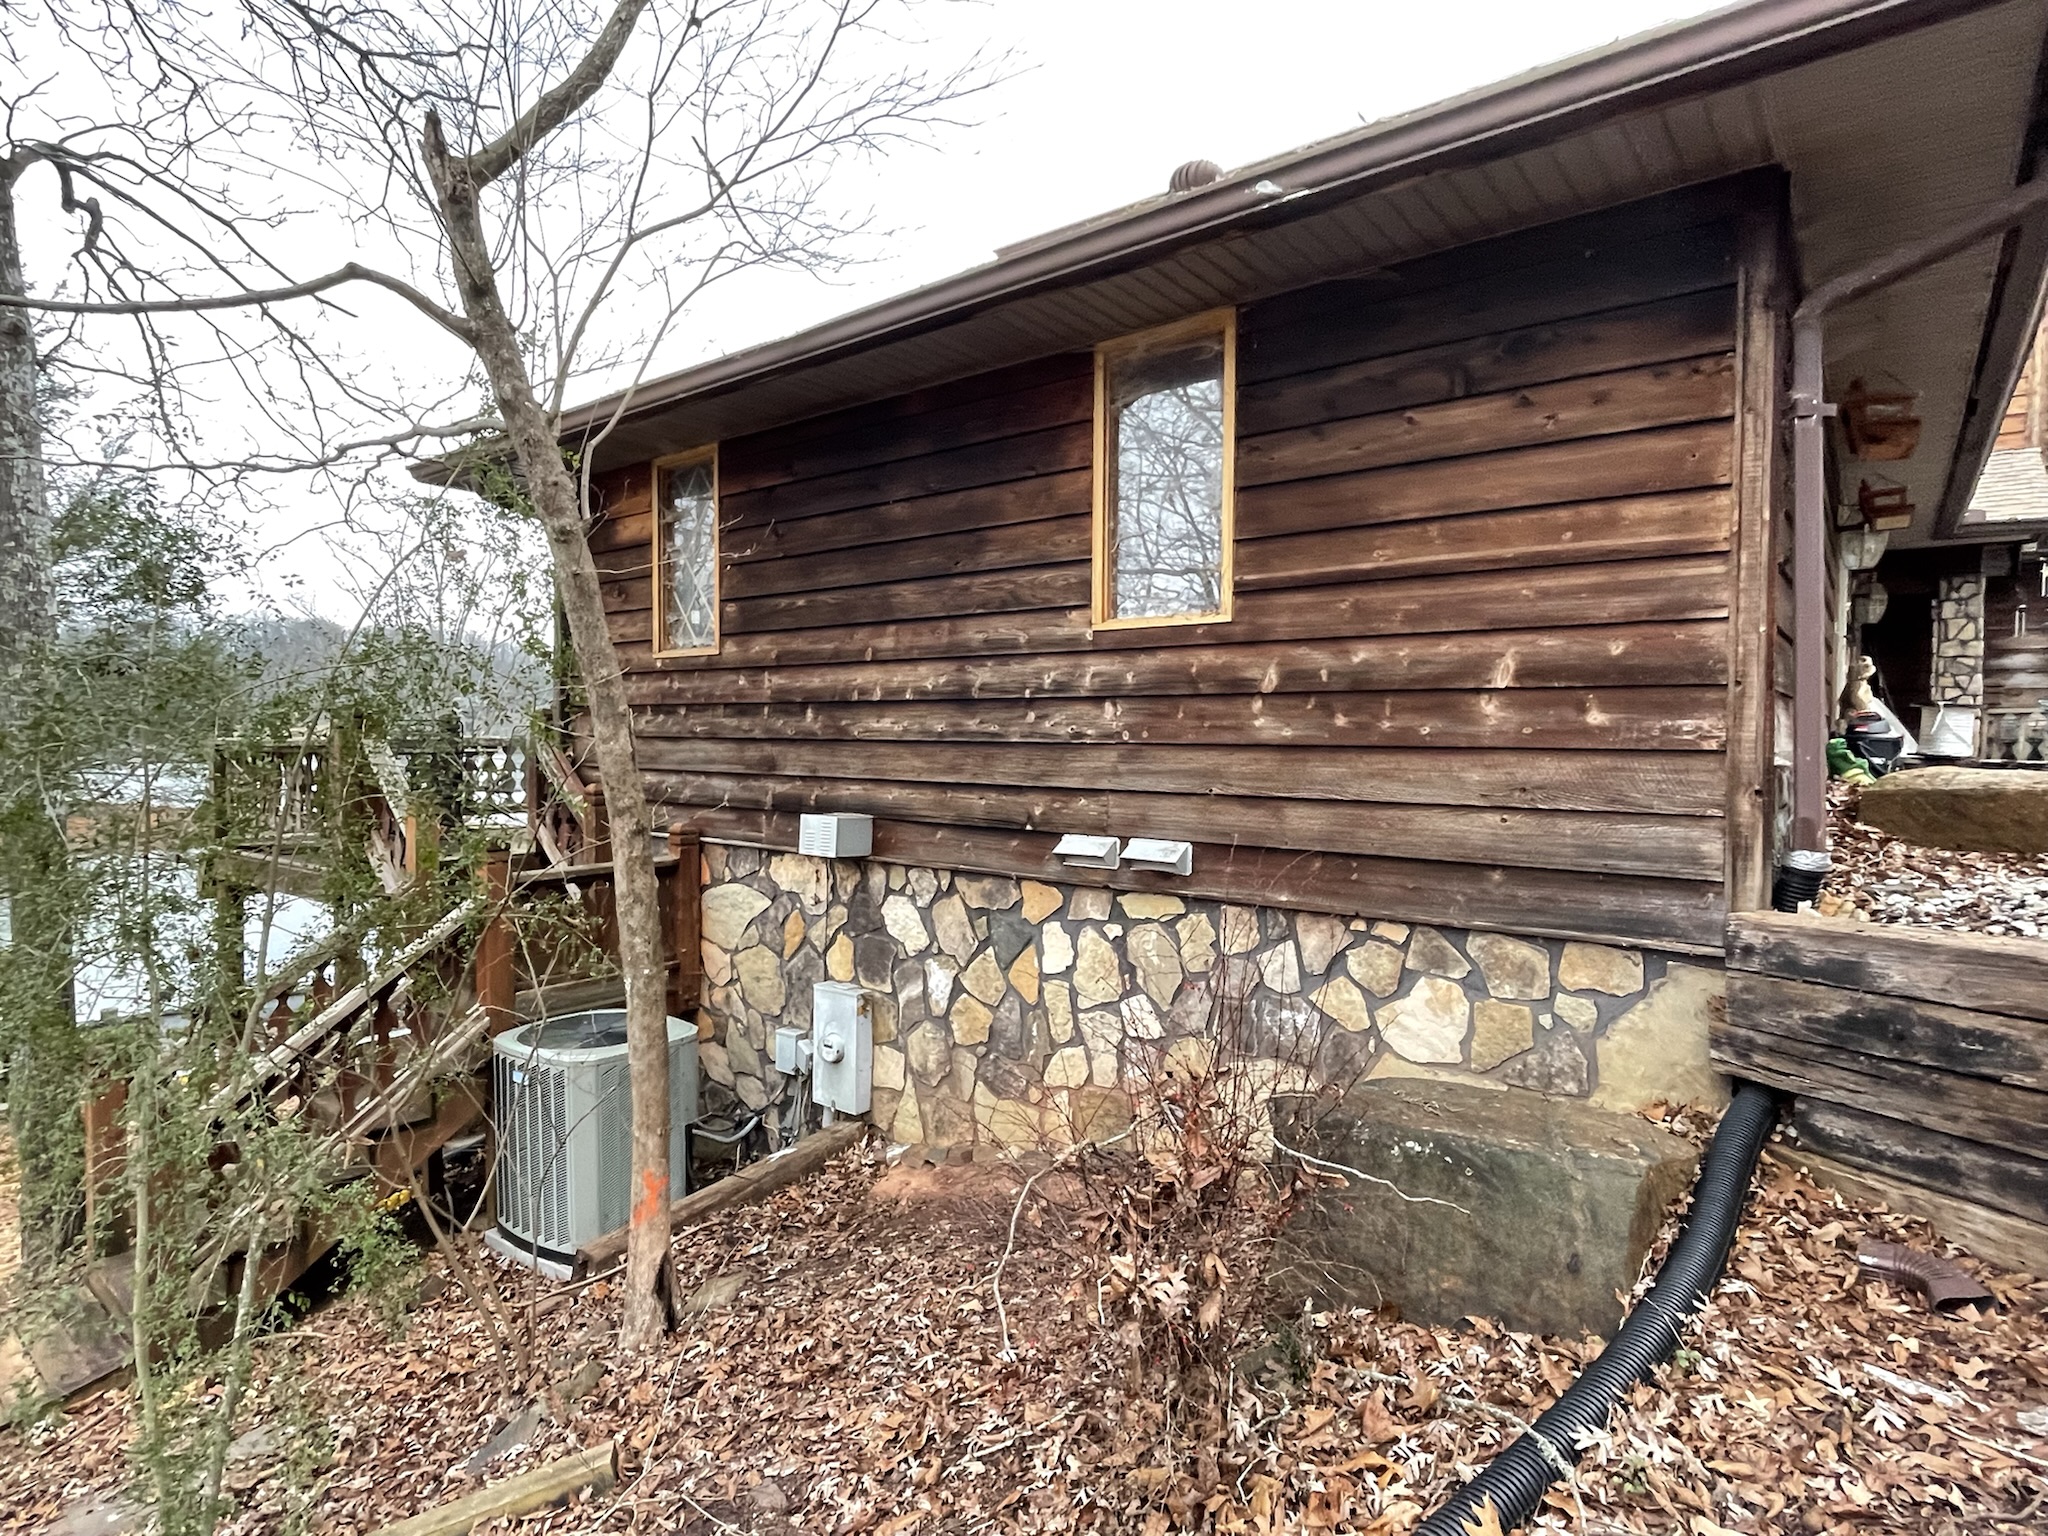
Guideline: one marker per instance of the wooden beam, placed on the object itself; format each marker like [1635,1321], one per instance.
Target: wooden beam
[1676,847]
[494,971]
[1966,970]
[1989,1176]
[754,1182]
[1964,1041]
[1655,395]
[555,1483]
[685,918]
[1690,652]
[1970,1107]
[1997,1236]
[1599,342]
[1682,915]
[1760,475]
[1658,719]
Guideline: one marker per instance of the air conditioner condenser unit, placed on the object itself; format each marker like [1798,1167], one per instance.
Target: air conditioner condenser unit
[562,1101]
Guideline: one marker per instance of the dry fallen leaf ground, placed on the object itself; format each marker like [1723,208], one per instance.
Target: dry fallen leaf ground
[855,1382]
[1883,880]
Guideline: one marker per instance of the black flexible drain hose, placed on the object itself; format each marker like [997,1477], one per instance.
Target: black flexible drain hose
[1516,1478]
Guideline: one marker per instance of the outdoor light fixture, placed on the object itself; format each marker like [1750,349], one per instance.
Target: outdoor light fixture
[1156,853]
[1088,851]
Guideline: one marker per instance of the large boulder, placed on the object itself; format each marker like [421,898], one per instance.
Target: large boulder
[1980,810]
[1532,1210]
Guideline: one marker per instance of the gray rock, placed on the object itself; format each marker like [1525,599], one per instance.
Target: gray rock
[1556,1064]
[1280,968]
[1512,967]
[874,961]
[1155,960]
[1431,952]
[801,972]
[510,1435]
[1551,1205]
[930,1052]
[1982,810]
[717,1292]
[956,933]
[1010,935]
[1600,968]
[1320,938]
[998,892]
[1283,1028]
[1429,1023]
[1088,901]
[910,999]
[1010,1034]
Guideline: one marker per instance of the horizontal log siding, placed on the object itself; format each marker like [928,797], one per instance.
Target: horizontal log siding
[1478,670]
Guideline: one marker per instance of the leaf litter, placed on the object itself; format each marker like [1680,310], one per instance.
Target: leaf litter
[855,1381]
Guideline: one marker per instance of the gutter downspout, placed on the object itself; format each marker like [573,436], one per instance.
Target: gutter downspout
[1810,512]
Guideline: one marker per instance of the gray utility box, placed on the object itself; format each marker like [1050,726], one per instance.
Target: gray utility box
[564,1112]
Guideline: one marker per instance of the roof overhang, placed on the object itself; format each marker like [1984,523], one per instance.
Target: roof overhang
[1892,118]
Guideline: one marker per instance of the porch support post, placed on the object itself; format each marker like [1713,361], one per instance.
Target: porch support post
[1811,511]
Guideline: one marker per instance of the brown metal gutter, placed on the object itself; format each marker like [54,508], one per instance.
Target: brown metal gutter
[1728,47]
[1810,509]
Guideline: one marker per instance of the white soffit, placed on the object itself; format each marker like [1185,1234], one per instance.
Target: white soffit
[1886,145]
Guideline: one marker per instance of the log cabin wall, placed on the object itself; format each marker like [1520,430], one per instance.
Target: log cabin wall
[1481,664]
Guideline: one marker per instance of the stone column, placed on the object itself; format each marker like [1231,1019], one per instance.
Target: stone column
[1958,671]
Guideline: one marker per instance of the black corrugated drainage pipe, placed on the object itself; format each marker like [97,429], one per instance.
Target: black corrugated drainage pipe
[1516,1478]
[1799,880]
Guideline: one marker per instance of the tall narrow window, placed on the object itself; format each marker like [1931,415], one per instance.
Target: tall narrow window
[686,554]
[1164,449]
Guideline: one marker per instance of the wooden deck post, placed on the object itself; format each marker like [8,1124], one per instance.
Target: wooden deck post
[494,972]
[600,849]
[686,956]
[106,1154]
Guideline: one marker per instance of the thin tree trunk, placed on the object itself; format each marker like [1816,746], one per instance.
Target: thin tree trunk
[26,615]
[552,491]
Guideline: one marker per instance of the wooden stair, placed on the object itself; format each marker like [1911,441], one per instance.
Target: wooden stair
[341,1066]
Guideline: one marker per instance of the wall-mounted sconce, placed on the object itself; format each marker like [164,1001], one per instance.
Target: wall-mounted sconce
[1884,507]
[1862,547]
[1087,851]
[1160,855]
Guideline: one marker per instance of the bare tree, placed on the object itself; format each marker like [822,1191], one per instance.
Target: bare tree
[25,612]
[550,190]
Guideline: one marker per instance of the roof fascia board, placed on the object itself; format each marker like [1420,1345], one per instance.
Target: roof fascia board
[1726,48]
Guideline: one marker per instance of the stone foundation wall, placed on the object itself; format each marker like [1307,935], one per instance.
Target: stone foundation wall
[1018,1010]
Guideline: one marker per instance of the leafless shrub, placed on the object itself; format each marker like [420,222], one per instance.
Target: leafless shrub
[1177,1211]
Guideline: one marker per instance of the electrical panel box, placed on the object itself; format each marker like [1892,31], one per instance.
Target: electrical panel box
[842,1047]
[792,1052]
[840,835]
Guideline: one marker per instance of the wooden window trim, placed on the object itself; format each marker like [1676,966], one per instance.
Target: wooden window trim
[659,596]
[1102,576]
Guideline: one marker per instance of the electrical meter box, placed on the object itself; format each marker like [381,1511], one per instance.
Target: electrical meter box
[842,1047]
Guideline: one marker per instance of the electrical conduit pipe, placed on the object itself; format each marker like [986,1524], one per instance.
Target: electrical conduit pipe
[1515,1480]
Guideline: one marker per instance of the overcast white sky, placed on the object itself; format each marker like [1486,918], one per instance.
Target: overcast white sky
[1111,95]
[1104,99]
